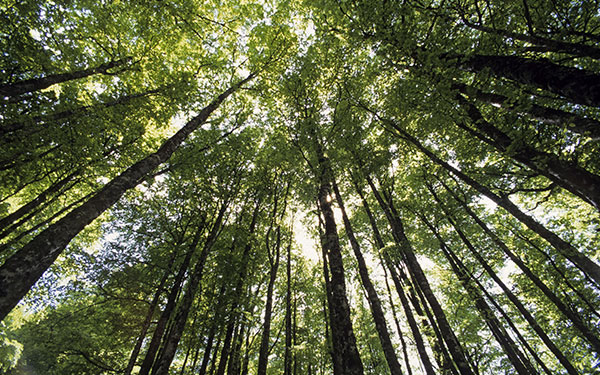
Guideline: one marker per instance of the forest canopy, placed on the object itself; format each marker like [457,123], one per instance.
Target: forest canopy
[312,187]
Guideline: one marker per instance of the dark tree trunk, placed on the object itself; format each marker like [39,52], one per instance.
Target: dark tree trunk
[171,341]
[412,323]
[584,263]
[372,297]
[148,320]
[549,45]
[49,118]
[566,174]
[36,84]
[53,189]
[576,85]
[584,330]
[241,277]
[161,325]
[418,275]
[485,311]
[345,350]
[572,122]
[511,296]
[264,342]
[287,361]
[20,272]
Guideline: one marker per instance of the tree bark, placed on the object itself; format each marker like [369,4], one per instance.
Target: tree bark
[567,250]
[574,123]
[568,175]
[576,85]
[159,331]
[412,323]
[345,350]
[24,268]
[508,345]
[36,84]
[418,275]
[592,337]
[511,296]
[171,341]
[372,297]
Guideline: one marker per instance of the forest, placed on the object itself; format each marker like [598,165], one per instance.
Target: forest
[310,187]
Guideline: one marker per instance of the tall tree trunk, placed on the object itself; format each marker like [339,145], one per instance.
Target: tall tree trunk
[171,341]
[49,118]
[485,311]
[372,297]
[264,342]
[418,275]
[584,263]
[412,323]
[550,45]
[568,175]
[24,268]
[148,319]
[576,85]
[161,325]
[36,84]
[241,277]
[287,360]
[511,296]
[592,337]
[53,189]
[343,340]
[571,121]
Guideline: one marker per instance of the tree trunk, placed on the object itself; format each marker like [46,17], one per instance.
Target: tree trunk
[576,85]
[343,340]
[567,250]
[372,297]
[36,84]
[510,348]
[511,296]
[157,336]
[148,320]
[171,341]
[412,323]
[592,337]
[287,360]
[418,275]
[566,174]
[24,268]
[572,122]
[264,342]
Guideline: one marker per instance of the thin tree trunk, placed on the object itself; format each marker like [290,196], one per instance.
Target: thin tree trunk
[148,320]
[287,361]
[36,84]
[510,295]
[584,330]
[418,275]
[376,310]
[20,272]
[412,323]
[157,336]
[264,342]
[584,263]
[510,348]
[171,341]
[550,45]
[49,118]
